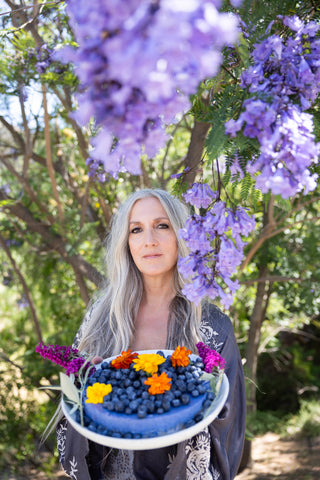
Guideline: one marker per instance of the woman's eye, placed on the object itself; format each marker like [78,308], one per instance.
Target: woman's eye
[135,230]
[163,225]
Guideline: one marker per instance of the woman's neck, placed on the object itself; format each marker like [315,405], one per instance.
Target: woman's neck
[157,295]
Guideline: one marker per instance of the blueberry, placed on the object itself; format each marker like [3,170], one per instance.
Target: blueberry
[190,386]
[150,406]
[109,405]
[128,411]
[132,395]
[177,393]
[195,393]
[136,384]
[206,404]
[92,427]
[166,405]
[120,406]
[160,410]
[142,411]
[189,423]
[198,417]
[202,388]
[86,421]
[128,435]
[145,395]
[185,399]
[176,402]
[210,396]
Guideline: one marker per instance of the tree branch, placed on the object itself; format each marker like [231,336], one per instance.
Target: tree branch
[25,287]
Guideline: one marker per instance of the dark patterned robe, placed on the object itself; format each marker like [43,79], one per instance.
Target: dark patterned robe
[213,454]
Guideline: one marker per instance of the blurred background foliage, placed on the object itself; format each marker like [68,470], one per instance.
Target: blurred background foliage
[54,219]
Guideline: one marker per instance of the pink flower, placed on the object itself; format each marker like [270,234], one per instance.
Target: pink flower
[212,360]
[67,357]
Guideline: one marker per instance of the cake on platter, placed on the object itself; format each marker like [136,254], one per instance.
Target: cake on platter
[155,394]
[141,400]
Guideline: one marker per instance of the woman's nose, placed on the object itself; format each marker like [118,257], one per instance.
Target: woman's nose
[151,238]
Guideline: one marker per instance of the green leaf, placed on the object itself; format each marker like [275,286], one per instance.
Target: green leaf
[69,388]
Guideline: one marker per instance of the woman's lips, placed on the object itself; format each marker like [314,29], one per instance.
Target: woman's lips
[152,255]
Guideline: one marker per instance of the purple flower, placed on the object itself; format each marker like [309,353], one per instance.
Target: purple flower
[138,63]
[212,360]
[200,195]
[214,257]
[67,357]
[284,81]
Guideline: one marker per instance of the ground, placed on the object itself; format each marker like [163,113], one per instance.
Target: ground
[272,456]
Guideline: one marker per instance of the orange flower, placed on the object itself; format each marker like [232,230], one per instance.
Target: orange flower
[148,362]
[97,391]
[124,360]
[158,383]
[180,358]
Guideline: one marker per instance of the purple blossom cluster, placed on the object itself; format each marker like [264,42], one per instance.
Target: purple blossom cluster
[44,58]
[67,357]
[137,63]
[212,360]
[283,81]
[216,247]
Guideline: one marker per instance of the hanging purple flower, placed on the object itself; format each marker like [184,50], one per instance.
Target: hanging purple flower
[200,195]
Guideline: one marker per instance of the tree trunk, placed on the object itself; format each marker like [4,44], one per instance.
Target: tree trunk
[256,320]
[195,150]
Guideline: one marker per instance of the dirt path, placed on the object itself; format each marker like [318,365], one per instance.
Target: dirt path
[272,458]
[283,459]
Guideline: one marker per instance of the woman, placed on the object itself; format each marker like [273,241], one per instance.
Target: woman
[142,308]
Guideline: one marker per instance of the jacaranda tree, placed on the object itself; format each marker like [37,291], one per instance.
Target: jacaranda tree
[215,101]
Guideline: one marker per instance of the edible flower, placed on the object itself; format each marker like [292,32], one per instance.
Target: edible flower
[180,357]
[97,391]
[148,362]
[124,360]
[158,383]
[212,360]
[66,356]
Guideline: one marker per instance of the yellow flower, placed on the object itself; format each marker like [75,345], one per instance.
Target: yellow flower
[148,362]
[97,391]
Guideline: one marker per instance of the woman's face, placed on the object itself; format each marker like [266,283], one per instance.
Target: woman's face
[152,241]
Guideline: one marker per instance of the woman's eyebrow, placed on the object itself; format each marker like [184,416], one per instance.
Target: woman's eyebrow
[155,220]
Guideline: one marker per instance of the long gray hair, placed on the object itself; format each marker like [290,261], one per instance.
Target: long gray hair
[108,327]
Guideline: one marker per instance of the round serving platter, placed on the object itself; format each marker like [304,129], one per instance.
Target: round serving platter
[153,442]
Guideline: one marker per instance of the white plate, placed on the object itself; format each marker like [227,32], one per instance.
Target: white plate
[154,442]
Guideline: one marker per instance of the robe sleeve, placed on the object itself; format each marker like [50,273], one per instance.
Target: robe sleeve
[215,453]
[228,429]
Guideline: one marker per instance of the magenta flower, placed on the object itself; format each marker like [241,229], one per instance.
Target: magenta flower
[212,360]
[67,357]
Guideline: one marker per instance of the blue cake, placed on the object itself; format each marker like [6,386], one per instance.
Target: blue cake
[131,408]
